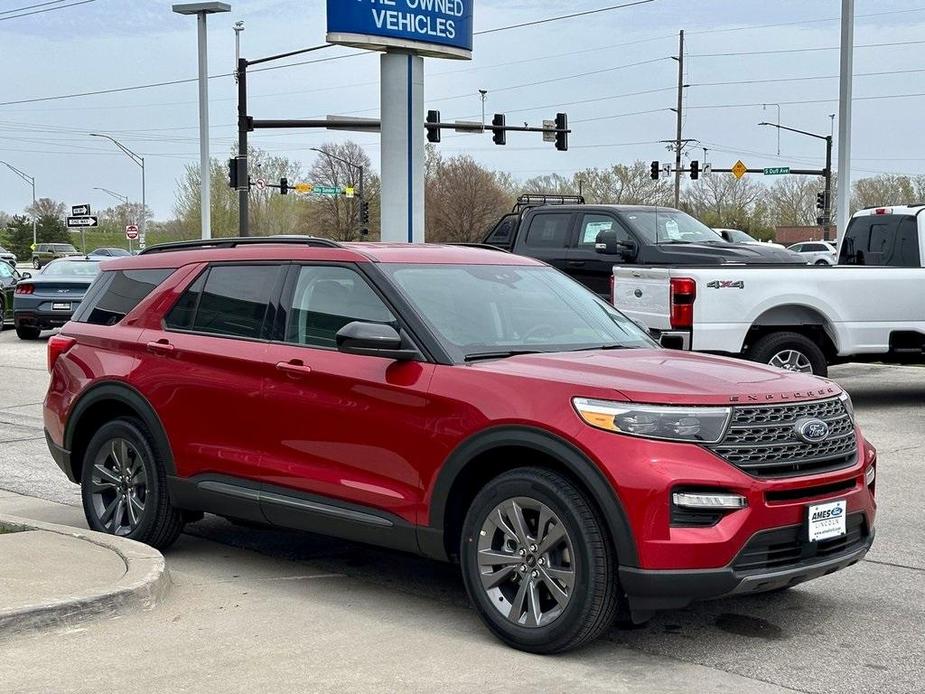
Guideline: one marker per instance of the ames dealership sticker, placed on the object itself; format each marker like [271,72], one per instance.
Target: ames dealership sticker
[827,520]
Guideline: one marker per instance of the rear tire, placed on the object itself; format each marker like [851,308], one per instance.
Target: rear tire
[790,351]
[124,485]
[36,265]
[822,262]
[24,333]
[554,585]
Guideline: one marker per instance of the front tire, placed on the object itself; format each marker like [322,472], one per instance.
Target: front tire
[790,351]
[124,485]
[537,563]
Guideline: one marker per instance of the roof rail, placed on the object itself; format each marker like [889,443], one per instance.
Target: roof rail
[485,246]
[536,199]
[239,241]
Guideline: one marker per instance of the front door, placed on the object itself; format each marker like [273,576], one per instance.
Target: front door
[586,265]
[342,427]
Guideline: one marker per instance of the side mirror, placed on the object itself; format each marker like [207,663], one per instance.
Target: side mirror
[608,244]
[26,276]
[373,340]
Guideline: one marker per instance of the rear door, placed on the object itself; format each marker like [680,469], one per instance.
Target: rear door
[546,235]
[342,427]
[203,370]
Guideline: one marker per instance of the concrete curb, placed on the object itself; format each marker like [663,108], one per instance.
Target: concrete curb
[144,583]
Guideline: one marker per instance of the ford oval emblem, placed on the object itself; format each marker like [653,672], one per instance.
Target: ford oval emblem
[811,430]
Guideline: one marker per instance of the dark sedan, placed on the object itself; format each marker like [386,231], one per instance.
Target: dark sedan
[48,300]
[8,279]
[109,253]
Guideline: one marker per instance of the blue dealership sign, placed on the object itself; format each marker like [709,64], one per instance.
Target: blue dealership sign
[439,28]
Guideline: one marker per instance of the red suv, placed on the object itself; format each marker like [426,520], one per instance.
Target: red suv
[462,403]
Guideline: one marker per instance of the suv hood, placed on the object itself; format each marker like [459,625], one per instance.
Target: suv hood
[722,252]
[665,377]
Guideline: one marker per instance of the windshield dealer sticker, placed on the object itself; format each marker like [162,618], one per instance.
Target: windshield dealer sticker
[726,284]
[673,230]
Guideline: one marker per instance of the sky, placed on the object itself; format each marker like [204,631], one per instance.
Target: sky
[612,72]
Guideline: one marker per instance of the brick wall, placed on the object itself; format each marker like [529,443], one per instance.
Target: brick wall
[791,235]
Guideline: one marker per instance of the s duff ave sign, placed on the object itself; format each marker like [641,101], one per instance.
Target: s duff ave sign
[434,28]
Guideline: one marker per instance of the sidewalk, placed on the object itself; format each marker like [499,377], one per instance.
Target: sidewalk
[53,575]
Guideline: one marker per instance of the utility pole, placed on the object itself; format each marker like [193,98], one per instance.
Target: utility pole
[677,150]
[243,127]
[846,74]
[31,181]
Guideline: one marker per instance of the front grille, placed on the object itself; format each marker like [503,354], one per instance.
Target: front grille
[761,440]
[786,547]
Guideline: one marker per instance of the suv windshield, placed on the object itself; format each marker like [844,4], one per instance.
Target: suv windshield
[666,225]
[481,311]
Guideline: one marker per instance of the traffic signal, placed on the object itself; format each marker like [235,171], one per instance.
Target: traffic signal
[499,134]
[820,201]
[284,186]
[233,173]
[562,132]
[654,171]
[695,169]
[364,213]
[432,125]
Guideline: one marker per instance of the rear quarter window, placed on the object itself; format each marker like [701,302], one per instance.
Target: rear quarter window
[115,293]
[549,230]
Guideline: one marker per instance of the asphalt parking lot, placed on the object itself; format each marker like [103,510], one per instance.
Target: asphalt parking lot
[266,608]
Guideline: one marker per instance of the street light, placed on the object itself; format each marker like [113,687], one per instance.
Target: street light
[31,181]
[348,163]
[140,160]
[117,196]
[827,212]
[202,10]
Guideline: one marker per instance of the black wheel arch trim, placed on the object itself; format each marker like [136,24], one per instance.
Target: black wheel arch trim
[588,473]
[124,394]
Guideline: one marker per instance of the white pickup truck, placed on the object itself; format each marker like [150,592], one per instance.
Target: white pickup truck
[869,307]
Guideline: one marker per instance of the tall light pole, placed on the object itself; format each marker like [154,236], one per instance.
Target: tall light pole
[827,210]
[140,160]
[846,74]
[31,181]
[348,163]
[203,10]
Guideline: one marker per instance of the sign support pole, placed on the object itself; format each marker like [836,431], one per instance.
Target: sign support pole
[846,74]
[402,147]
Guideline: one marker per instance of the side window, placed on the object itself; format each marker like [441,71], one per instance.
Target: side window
[549,230]
[880,243]
[326,298]
[906,247]
[182,314]
[797,248]
[233,301]
[116,293]
[502,233]
[594,224]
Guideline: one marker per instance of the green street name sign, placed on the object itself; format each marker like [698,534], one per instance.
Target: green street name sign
[777,170]
[326,190]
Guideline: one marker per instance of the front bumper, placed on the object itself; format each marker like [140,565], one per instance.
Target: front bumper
[648,590]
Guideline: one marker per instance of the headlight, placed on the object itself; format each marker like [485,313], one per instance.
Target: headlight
[697,424]
[849,406]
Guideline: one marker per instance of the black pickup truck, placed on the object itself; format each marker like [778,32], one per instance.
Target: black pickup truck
[563,231]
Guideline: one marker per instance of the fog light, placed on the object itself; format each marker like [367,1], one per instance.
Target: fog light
[870,474]
[717,501]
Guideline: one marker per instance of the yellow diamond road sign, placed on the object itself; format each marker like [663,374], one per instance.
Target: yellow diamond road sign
[739,169]
[303,187]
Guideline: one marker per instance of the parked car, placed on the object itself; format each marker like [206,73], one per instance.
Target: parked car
[738,236]
[109,252]
[460,403]
[565,234]
[48,299]
[816,252]
[44,253]
[868,308]
[8,256]
[9,276]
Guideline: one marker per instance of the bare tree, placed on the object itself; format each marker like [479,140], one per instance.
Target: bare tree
[46,207]
[622,184]
[552,184]
[721,200]
[463,200]
[338,217]
[792,200]
[887,189]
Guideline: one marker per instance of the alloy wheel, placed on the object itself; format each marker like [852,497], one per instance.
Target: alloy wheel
[119,486]
[792,360]
[526,562]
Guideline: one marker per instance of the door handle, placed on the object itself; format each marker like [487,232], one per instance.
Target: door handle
[161,346]
[575,263]
[295,367]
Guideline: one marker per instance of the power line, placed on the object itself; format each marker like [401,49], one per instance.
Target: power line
[801,50]
[805,79]
[29,7]
[803,21]
[561,17]
[47,9]
[816,101]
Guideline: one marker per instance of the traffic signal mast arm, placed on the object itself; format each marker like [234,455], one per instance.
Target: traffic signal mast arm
[498,127]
